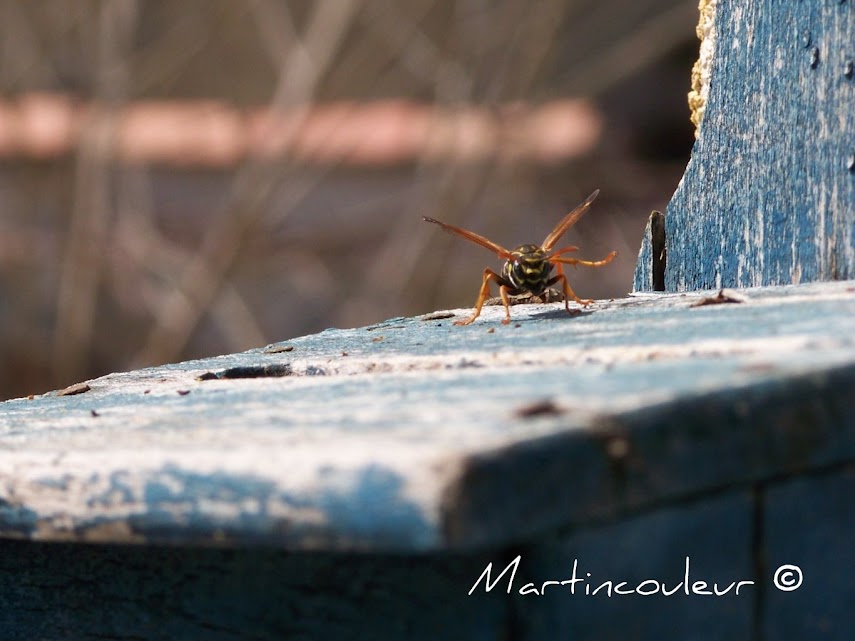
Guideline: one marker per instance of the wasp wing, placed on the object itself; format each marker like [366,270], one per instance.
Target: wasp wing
[567,222]
[475,238]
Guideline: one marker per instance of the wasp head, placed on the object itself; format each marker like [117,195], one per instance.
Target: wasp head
[528,270]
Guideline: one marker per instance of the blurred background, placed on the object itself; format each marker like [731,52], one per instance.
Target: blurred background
[183,179]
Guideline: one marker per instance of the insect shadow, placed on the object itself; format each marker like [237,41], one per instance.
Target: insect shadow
[560,313]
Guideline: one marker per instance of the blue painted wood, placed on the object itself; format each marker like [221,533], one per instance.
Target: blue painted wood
[424,438]
[355,484]
[60,592]
[768,197]
[809,522]
[649,553]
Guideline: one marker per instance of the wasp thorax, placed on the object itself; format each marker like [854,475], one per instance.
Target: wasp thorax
[528,270]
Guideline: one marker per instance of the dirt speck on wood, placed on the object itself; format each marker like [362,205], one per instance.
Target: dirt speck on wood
[71,390]
[723,297]
[436,316]
[545,407]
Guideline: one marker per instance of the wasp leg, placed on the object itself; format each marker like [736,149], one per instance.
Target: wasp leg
[564,250]
[586,263]
[489,275]
[568,291]
[503,292]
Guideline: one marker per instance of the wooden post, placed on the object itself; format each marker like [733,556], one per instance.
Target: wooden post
[768,197]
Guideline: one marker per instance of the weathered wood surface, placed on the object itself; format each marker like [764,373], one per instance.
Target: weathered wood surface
[72,592]
[716,534]
[739,537]
[417,435]
[768,197]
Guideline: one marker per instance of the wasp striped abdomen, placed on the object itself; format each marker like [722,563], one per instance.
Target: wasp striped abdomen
[528,270]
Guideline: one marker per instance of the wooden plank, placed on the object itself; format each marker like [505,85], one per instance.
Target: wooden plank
[418,435]
[69,591]
[809,523]
[768,197]
[632,576]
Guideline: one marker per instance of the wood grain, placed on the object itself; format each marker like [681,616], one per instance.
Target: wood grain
[768,197]
[424,440]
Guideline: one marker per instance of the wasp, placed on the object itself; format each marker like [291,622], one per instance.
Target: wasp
[528,268]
